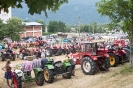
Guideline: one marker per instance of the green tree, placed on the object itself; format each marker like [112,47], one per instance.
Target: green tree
[1,29]
[13,28]
[35,6]
[53,26]
[61,27]
[42,22]
[56,26]
[120,12]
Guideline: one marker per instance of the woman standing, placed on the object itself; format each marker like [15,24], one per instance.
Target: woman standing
[8,73]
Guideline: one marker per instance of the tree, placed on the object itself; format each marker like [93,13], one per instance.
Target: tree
[42,22]
[120,12]
[56,26]
[1,29]
[53,26]
[13,28]
[35,6]
[61,27]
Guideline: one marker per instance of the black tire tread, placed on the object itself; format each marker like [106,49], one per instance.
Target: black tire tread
[51,75]
[93,66]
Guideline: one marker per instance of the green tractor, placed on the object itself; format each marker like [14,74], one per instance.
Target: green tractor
[19,76]
[57,68]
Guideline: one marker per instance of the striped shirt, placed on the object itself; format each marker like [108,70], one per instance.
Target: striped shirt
[36,63]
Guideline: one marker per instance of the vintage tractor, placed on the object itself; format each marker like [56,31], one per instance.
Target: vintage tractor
[90,58]
[19,76]
[8,55]
[52,69]
[118,53]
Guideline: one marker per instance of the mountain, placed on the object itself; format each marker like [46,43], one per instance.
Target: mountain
[68,13]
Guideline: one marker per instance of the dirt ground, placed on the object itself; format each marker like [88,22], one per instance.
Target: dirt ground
[110,79]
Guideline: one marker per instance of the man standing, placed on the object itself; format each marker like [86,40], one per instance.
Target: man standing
[43,61]
[36,63]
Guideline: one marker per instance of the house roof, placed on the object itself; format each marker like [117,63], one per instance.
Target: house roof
[32,24]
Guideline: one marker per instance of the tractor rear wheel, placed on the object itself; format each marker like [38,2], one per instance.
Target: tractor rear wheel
[17,81]
[3,57]
[114,60]
[88,66]
[40,79]
[48,75]
[105,65]
[68,75]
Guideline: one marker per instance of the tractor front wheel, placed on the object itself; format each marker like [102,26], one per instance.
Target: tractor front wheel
[69,74]
[48,75]
[88,66]
[114,60]
[17,81]
[40,79]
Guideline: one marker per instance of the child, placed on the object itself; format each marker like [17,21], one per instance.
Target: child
[8,73]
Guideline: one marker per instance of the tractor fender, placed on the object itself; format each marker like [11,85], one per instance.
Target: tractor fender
[93,57]
[66,64]
[37,70]
[106,55]
[116,53]
[124,52]
[126,49]
[49,66]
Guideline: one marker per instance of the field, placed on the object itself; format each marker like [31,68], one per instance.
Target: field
[116,77]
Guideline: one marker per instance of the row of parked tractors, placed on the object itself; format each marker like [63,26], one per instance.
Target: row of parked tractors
[91,56]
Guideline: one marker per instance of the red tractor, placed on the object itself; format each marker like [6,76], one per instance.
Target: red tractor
[91,59]
[118,53]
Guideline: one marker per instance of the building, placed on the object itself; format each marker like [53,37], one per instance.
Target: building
[5,16]
[32,29]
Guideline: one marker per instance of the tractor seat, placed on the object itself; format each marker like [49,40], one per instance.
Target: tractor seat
[58,64]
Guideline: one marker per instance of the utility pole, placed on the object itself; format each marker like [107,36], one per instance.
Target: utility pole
[79,26]
[93,29]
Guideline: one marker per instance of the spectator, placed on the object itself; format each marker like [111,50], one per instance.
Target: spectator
[27,66]
[43,61]
[36,63]
[8,73]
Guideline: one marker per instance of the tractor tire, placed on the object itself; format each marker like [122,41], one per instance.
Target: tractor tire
[48,75]
[51,52]
[17,81]
[40,79]
[68,75]
[88,66]
[14,57]
[105,65]
[127,54]
[3,57]
[114,60]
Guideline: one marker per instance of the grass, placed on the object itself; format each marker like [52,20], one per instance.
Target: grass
[126,70]
[115,74]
